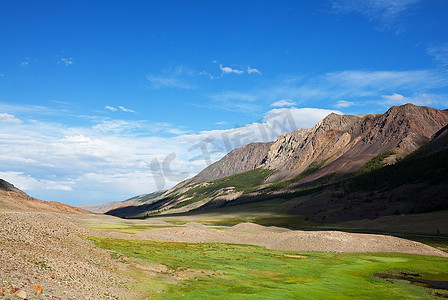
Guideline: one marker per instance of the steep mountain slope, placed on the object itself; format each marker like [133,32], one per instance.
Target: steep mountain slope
[335,147]
[13,199]
[243,159]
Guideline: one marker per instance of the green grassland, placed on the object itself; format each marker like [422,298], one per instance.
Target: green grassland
[228,271]
[123,227]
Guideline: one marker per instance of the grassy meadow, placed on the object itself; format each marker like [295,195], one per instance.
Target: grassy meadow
[174,270]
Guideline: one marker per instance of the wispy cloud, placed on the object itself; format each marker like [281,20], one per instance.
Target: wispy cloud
[385,11]
[284,102]
[343,104]
[8,118]
[229,70]
[67,61]
[158,82]
[205,73]
[353,86]
[122,108]
[126,109]
[173,77]
[440,54]
[236,101]
[253,71]
[25,62]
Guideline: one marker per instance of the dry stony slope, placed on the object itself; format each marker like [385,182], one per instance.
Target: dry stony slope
[43,255]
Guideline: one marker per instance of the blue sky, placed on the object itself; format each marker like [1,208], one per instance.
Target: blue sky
[96,95]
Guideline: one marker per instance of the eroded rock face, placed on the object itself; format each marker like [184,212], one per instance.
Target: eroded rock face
[346,142]
[294,152]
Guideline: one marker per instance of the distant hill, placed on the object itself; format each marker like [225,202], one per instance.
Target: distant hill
[106,206]
[344,168]
[13,199]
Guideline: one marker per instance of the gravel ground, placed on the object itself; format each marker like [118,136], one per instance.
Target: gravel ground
[43,255]
[291,240]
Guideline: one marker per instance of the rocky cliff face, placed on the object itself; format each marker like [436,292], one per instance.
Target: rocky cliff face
[345,143]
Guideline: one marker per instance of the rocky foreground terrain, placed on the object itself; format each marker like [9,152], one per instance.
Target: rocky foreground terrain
[43,255]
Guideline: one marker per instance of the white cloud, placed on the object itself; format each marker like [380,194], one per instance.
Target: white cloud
[253,71]
[67,61]
[397,98]
[417,99]
[8,118]
[282,103]
[343,104]
[29,183]
[355,86]
[125,109]
[111,108]
[221,123]
[115,159]
[229,70]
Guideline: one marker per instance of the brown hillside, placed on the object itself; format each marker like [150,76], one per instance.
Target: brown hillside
[13,199]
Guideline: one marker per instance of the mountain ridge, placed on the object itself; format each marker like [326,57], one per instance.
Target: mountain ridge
[336,146]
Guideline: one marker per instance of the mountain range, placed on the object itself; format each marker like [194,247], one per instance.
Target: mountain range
[345,168]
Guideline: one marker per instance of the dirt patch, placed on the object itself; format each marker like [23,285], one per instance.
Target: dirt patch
[294,256]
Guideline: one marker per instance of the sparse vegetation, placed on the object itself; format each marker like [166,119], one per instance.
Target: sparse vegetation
[245,182]
[375,163]
[123,227]
[313,167]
